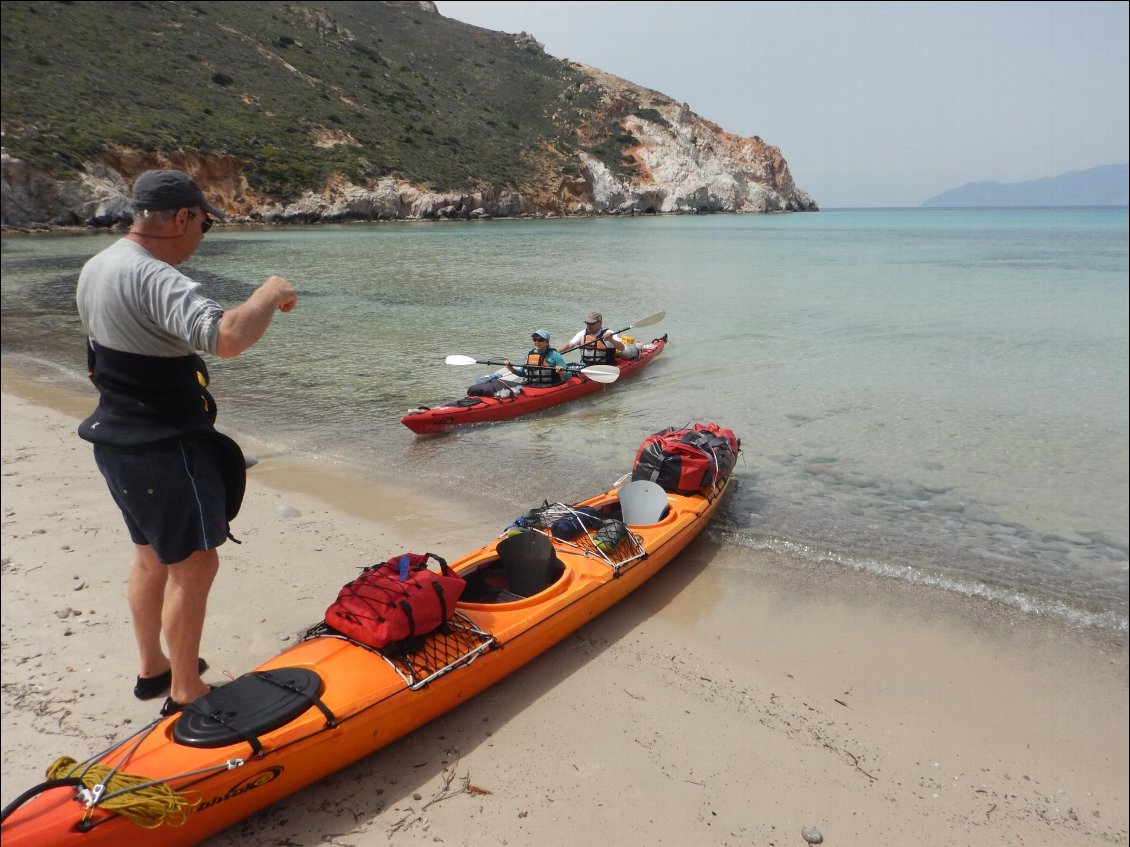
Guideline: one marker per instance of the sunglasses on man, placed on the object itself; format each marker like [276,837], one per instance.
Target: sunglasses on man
[205,224]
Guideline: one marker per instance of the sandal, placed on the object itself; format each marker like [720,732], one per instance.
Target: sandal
[152,687]
[172,707]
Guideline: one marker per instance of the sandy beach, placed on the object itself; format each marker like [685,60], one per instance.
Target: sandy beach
[725,703]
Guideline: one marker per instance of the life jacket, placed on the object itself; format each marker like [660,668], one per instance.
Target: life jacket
[536,373]
[139,395]
[144,401]
[596,351]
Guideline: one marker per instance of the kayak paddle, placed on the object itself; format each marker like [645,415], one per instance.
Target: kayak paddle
[648,321]
[597,373]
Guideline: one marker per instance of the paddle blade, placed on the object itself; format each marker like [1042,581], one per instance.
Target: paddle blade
[460,360]
[649,320]
[602,373]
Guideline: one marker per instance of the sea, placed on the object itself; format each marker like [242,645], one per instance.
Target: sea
[932,396]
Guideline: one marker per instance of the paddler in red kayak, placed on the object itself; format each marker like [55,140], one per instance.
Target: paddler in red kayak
[544,365]
[598,345]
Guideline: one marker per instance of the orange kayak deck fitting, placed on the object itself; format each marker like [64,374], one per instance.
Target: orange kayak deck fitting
[328,701]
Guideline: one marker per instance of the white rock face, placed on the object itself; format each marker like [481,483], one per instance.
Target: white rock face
[685,163]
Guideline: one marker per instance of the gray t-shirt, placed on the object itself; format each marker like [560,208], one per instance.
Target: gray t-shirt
[132,302]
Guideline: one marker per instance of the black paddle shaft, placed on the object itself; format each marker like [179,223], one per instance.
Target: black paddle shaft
[535,367]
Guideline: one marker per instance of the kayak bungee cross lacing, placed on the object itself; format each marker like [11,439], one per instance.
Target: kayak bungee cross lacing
[614,544]
[611,542]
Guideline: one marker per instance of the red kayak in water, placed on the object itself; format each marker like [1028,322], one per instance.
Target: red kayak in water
[426,420]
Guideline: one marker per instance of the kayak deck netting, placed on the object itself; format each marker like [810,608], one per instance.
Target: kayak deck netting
[458,642]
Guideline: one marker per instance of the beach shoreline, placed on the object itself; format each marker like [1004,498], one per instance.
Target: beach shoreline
[726,702]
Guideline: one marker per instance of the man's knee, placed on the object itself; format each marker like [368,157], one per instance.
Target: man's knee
[146,558]
[199,568]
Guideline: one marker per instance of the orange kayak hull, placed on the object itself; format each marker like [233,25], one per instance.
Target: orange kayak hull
[372,704]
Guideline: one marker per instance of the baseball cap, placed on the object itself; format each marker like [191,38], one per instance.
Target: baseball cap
[157,190]
[542,333]
[594,318]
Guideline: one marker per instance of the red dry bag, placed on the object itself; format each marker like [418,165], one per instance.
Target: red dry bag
[398,599]
[687,460]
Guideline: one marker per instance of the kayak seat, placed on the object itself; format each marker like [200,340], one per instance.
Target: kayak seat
[642,502]
[530,562]
[249,707]
[488,583]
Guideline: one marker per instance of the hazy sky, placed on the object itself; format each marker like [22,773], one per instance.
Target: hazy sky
[871,104]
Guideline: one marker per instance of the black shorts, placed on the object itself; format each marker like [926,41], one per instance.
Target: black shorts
[171,496]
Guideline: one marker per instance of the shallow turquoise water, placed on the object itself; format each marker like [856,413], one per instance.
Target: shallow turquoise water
[934,395]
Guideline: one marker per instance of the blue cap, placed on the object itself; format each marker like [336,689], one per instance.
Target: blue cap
[542,333]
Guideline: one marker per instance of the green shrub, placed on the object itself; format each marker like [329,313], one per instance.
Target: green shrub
[489,101]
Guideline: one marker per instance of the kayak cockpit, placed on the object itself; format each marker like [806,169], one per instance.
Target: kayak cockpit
[527,565]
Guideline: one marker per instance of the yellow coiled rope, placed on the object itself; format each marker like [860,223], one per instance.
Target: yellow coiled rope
[146,802]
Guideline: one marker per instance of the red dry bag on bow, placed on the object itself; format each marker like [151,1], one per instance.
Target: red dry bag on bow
[398,599]
[687,460]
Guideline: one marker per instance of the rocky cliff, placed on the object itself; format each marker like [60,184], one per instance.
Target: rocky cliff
[684,163]
[603,144]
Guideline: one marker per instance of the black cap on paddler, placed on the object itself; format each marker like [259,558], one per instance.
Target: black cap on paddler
[158,190]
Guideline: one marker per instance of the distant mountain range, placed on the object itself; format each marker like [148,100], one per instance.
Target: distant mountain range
[1106,185]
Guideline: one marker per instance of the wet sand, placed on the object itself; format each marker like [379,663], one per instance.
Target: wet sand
[735,699]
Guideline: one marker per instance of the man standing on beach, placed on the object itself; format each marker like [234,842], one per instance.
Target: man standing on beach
[176,479]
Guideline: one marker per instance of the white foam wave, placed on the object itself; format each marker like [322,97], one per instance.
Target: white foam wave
[917,576]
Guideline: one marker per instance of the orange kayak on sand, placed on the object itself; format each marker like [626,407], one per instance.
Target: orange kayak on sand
[426,420]
[329,701]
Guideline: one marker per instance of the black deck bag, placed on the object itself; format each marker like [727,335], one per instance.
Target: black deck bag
[491,388]
[565,522]
[687,460]
[578,521]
